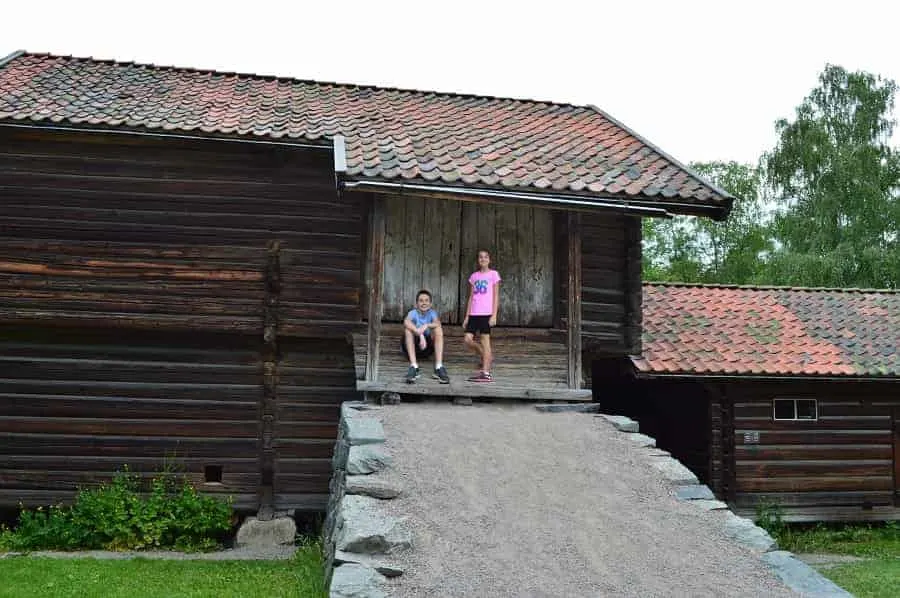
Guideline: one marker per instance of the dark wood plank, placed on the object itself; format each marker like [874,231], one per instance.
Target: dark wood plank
[574,300]
[376,293]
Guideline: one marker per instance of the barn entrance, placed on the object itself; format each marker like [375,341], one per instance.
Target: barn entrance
[432,244]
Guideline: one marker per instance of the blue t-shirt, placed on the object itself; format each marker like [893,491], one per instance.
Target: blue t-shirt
[419,319]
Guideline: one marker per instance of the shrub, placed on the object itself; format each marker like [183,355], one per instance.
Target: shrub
[769,516]
[118,516]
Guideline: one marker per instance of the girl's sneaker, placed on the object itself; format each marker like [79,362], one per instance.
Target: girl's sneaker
[482,377]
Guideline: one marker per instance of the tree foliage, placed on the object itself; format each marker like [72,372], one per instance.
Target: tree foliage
[688,249]
[821,209]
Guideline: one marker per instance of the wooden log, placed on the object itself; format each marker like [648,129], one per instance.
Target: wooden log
[376,257]
[574,300]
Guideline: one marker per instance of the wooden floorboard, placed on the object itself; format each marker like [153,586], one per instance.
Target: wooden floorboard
[530,364]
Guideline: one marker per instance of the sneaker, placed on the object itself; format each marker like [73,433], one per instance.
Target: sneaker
[412,374]
[441,374]
[482,377]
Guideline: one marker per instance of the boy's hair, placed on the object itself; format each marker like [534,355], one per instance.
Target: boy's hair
[424,292]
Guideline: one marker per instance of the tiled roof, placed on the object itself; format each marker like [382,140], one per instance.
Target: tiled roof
[391,134]
[708,330]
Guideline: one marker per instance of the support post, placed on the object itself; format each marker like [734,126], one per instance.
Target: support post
[573,305]
[376,285]
[268,411]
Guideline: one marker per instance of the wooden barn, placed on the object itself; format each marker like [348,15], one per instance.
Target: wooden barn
[197,268]
[777,395]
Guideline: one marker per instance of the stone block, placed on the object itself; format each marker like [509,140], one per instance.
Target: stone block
[694,492]
[363,430]
[674,472]
[802,578]
[568,408]
[274,532]
[356,581]
[464,401]
[641,440]
[384,567]
[365,529]
[620,422]
[370,486]
[709,505]
[748,533]
[366,459]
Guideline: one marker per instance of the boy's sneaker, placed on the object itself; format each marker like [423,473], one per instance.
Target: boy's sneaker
[412,374]
[441,374]
[482,377]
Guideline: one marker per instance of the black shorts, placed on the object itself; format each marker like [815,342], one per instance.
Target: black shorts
[428,351]
[479,324]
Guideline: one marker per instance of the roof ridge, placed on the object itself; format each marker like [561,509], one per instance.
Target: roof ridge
[751,287]
[185,69]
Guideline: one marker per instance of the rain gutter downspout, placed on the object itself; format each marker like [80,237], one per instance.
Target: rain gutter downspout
[572,202]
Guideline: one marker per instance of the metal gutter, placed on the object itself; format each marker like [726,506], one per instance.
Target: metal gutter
[164,135]
[10,57]
[572,202]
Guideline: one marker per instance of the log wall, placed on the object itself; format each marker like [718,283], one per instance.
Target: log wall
[137,278]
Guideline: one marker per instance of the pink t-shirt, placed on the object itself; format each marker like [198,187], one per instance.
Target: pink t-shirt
[483,284]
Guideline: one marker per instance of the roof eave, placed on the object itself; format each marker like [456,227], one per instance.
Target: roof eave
[10,57]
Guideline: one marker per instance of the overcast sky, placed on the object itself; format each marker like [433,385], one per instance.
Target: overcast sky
[704,80]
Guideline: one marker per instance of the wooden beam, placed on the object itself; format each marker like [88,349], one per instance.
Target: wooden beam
[574,300]
[376,285]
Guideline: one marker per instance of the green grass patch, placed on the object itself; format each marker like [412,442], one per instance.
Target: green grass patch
[878,578]
[863,540]
[26,577]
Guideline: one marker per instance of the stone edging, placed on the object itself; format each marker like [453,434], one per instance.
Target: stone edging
[793,572]
[358,539]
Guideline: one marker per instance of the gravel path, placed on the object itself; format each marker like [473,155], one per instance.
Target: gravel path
[506,501]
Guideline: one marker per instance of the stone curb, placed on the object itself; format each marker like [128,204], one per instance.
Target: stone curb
[353,520]
[793,572]
[568,407]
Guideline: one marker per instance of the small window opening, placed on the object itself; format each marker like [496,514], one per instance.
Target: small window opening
[795,409]
[212,474]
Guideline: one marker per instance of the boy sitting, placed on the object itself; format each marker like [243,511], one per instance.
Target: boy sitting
[422,336]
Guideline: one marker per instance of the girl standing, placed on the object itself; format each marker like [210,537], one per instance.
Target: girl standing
[481,314]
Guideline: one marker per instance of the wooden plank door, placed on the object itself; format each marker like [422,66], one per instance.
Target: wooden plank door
[521,244]
[421,251]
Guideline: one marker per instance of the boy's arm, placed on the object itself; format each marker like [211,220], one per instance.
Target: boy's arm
[407,323]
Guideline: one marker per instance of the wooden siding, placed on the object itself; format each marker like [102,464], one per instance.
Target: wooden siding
[845,458]
[610,283]
[77,405]
[159,301]
[432,244]
[102,230]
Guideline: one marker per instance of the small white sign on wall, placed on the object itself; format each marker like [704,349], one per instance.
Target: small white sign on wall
[751,437]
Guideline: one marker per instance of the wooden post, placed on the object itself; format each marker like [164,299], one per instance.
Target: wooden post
[269,406]
[633,287]
[376,285]
[574,299]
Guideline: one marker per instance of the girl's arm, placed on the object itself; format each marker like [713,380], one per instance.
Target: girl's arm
[493,320]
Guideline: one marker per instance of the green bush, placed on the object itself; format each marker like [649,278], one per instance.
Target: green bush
[118,516]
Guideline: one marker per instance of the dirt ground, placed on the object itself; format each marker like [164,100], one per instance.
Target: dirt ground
[506,501]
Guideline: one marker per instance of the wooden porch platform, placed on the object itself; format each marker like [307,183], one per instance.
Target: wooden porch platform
[531,364]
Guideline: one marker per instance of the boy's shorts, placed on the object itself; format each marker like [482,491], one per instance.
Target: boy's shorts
[479,324]
[420,352]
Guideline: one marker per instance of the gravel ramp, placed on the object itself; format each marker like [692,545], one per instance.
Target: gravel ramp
[506,501]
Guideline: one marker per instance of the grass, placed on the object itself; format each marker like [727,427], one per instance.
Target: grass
[863,540]
[878,578]
[875,577]
[26,577]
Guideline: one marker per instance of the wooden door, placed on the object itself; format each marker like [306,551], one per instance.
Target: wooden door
[521,244]
[432,244]
[421,251]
